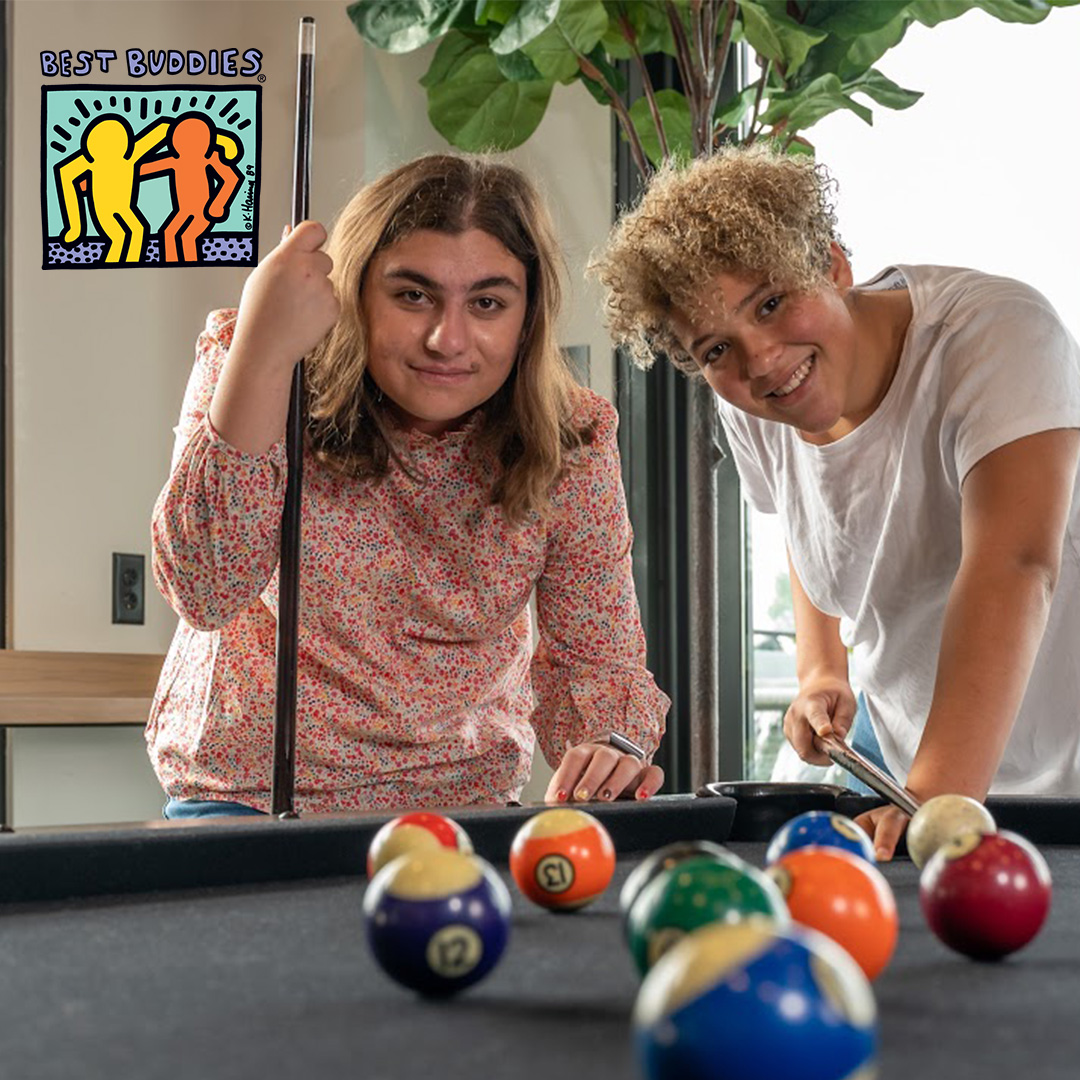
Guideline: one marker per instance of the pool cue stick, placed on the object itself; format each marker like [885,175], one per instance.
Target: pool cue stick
[282,791]
[867,772]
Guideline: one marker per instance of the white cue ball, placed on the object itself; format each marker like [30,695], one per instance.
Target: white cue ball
[941,818]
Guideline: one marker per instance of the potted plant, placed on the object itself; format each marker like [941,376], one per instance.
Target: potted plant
[497,62]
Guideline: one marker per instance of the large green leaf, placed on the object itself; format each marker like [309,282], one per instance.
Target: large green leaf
[808,112]
[1021,11]
[400,26]
[675,114]
[453,51]
[578,27]
[850,58]
[868,49]
[805,107]
[776,36]
[734,110]
[479,109]
[883,90]
[530,19]
[932,12]
[499,11]
[517,67]
[852,18]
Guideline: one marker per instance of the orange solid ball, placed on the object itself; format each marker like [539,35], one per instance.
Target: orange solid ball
[562,859]
[844,897]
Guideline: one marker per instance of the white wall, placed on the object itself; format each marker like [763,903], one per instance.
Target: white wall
[99,359]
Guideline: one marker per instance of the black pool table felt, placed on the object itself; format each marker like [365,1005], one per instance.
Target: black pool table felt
[276,980]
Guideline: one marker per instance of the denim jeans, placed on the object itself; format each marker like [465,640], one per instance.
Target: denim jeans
[862,740]
[176,809]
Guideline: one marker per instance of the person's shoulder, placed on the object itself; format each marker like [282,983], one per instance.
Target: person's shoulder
[220,325]
[956,290]
[592,412]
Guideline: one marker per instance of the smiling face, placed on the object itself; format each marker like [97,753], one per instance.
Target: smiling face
[443,315]
[785,355]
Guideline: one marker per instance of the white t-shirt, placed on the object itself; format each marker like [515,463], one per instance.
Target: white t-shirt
[872,521]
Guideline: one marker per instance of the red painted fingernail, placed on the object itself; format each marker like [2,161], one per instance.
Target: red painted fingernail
[641,793]
[561,795]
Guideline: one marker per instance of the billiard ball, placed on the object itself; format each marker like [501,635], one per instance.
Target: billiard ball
[755,1001]
[941,818]
[822,828]
[985,894]
[665,858]
[437,920]
[414,832]
[562,859]
[691,894]
[844,897]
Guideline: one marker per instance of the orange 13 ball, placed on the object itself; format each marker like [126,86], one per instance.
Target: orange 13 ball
[413,832]
[843,897]
[562,859]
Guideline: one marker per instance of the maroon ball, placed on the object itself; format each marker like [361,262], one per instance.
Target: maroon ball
[986,895]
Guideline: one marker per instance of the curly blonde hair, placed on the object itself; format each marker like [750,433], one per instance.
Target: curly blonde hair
[750,210]
[529,426]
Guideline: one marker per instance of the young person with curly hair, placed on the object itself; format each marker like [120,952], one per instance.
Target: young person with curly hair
[452,465]
[917,434]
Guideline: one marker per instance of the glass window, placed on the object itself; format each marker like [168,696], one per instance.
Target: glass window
[981,172]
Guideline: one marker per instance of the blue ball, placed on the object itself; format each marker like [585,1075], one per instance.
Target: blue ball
[821,828]
[755,1001]
[437,920]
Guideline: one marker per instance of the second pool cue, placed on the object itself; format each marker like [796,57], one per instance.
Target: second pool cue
[282,791]
[854,763]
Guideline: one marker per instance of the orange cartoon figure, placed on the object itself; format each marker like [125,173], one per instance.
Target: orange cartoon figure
[105,170]
[198,154]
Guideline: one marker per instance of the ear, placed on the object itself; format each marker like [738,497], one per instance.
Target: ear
[839,267]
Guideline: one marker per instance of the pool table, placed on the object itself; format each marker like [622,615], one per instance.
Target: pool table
[234,948]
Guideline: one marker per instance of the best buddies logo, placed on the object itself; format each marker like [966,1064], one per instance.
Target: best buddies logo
[161,176]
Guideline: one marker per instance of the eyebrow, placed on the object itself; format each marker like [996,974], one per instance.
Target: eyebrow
[763,287]
[495,281]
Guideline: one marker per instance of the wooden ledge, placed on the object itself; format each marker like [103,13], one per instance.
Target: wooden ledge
[68,688]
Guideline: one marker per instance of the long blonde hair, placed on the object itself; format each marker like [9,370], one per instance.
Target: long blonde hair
[527,425]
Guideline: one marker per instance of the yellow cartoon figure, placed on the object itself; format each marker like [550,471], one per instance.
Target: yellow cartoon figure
[106,171]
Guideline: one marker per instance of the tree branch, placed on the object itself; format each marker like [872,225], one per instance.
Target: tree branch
[683,58]
[753,134]
[637,151]
[720,65]
[650,94]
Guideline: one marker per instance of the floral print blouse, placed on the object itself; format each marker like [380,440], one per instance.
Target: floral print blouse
[418,683]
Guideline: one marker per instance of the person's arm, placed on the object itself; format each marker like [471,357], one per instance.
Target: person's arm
[216,525]
[149,140]
[825,702]
[288,306]
[1015,505]
[588,673]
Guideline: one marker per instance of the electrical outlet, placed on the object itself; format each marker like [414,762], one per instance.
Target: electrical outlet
[128,588]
